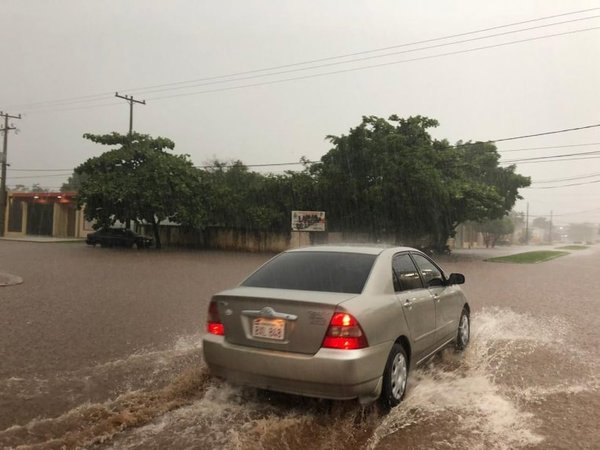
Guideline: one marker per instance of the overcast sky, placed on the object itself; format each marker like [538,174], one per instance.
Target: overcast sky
[72,49]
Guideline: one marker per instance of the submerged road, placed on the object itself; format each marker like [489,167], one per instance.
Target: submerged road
[100,348]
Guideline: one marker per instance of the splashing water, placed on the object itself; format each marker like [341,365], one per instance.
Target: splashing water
[463,387]
[478,399]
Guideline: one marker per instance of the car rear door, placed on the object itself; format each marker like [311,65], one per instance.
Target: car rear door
[417,303]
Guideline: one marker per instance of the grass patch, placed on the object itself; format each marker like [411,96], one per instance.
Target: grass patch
[529,257]
[573,247]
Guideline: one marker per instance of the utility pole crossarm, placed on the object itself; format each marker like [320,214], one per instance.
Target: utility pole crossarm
[8,116]
[131,101]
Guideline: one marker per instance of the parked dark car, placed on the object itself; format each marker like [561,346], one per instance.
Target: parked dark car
[118,237]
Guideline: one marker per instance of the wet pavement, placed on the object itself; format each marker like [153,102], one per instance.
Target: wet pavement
[101,348]
[7,279]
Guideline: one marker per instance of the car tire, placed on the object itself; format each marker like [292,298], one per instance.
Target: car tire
[395,378]
[463,335]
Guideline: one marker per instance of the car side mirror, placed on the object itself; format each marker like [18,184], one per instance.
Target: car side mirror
[456,278]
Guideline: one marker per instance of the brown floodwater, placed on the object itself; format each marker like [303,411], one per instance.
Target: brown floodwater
[101,348]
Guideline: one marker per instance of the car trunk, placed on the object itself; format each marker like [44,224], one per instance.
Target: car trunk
[277,319]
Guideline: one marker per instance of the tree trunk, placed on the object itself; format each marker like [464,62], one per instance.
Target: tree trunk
[156,230]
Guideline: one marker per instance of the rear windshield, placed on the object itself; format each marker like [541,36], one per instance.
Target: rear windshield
[315,271]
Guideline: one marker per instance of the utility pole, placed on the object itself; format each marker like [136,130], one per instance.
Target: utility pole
[551,227]
[527,226]
[4,161]
[131,101]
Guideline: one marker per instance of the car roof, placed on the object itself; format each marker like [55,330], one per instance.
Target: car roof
[364,249]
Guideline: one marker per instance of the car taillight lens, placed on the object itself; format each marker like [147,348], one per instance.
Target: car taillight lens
[213,323]
[344,333]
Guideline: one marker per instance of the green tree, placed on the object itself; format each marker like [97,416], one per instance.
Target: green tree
[73,183]
[541,222]
[391,176]
[240,198]
[494,229]
[33,188]
[141,181]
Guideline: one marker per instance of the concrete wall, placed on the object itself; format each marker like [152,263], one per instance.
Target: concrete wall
[59,220]
[82,227]
[225,238]
[260,241]
[467,236]
[248,240]
[23,221]
[266,241]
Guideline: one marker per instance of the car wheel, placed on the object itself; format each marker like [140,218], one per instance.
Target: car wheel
[464,331]
[395,377]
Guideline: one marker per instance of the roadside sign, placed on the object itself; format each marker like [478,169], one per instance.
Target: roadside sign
[308,220]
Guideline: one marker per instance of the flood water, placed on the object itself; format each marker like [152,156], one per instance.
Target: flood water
[529,378]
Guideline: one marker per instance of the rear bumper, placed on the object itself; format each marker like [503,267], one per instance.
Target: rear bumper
[331,374]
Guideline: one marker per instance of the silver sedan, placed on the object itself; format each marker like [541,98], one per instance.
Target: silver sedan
[336,322]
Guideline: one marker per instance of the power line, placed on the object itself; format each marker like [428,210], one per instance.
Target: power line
[556,160]
[291,163]
[374,66]
[75,108]
[579,177]
[578,212]
[42,176]
[347,55]
[565,185]
[39,170]
[200,83]
[553,158]
[548,147]
[305,62]
[524,160]
[546,133]
[336,72]
[564,155]
[564,214]
[69,100]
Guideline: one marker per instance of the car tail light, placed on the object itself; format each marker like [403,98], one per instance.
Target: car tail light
[213,323]
[344,333]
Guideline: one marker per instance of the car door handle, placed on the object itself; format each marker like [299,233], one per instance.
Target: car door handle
[409,302]
[436,297]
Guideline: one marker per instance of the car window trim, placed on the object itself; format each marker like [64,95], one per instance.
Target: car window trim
[416,267]
[444,279]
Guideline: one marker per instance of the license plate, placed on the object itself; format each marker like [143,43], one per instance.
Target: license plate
[268,328]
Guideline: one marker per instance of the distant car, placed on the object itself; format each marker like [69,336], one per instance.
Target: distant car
[336,322]
[118,237]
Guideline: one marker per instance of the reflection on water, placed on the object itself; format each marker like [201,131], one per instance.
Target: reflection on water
[487,397]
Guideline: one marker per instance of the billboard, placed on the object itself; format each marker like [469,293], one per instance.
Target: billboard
[308,221]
